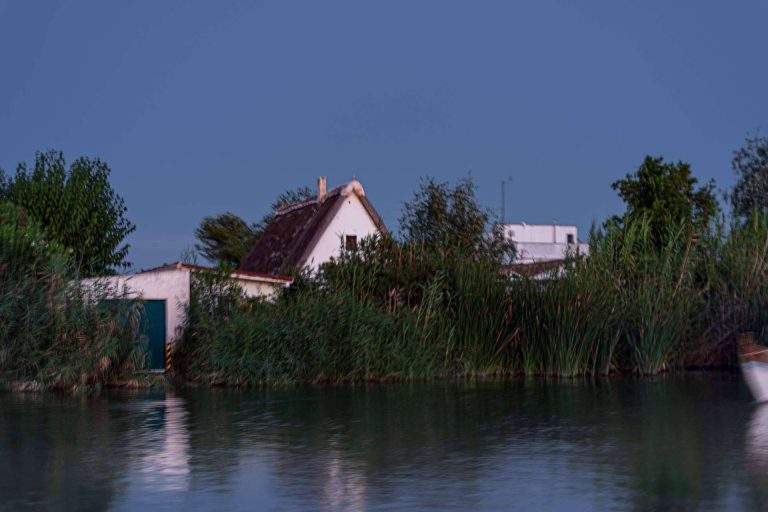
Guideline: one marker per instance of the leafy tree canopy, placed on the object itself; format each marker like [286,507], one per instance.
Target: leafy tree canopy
[665,192]
[750,163]
[449,218]
[226,239]
[23,244]
[76,207]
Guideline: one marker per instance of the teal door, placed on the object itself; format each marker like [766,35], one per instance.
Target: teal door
[153,327]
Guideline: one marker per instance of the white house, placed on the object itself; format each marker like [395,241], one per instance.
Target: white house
[310,233]
[538,243]
[165,293]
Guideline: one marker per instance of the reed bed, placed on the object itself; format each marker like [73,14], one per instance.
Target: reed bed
[53,332]
[640,303]
[53,335]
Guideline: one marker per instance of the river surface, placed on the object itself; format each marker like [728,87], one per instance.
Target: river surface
[693,442]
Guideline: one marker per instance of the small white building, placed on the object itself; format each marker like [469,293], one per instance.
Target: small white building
[165,292]
[312,232]
[539,243]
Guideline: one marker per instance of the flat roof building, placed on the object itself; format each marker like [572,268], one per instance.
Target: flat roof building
[538,243]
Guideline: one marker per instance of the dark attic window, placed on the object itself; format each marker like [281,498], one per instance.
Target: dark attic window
[350,242]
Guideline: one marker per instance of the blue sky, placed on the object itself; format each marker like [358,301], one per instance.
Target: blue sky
[203,107]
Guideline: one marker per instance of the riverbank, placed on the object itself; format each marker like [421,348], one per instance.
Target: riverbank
[144,382]
[140,380]
[400,311]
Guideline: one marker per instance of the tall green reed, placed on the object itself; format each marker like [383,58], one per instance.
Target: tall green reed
[640,303]
[53,331]
[653,289]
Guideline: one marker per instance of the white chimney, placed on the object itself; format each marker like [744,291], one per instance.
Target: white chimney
[321,188]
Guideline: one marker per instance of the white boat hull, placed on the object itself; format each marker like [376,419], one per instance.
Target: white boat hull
[756,376]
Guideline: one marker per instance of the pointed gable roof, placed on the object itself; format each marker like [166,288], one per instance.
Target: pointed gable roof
[295,230]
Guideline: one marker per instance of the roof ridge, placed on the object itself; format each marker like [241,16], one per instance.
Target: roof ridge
[294,206]
[179,265]
[307,202]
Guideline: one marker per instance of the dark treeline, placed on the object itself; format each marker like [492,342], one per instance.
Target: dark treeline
[667,285]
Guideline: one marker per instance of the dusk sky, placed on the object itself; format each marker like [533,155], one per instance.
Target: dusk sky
[204,107]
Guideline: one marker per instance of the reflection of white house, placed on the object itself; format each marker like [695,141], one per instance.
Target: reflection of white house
[310,233]
[538,243]
[344,487]
[160,448]
[757,440]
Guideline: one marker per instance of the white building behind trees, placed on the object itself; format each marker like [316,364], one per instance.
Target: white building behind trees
[540,243]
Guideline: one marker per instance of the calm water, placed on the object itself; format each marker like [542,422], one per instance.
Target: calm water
[682,443]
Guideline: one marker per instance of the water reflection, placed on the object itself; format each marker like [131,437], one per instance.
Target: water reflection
[673,443]
[344,486]
[161,446]
[757,440]
[60,453]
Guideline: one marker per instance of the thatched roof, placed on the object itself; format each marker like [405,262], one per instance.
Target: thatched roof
[295,230]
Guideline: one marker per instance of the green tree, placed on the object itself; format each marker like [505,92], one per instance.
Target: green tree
[448,218]
[23,244]
[750,163]
[666,193]
[227,238]
[76,207]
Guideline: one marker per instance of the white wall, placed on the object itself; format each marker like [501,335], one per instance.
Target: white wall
[173,286]
[351,219]
[543,242]
[540,233]
[530,252]
[253,288]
